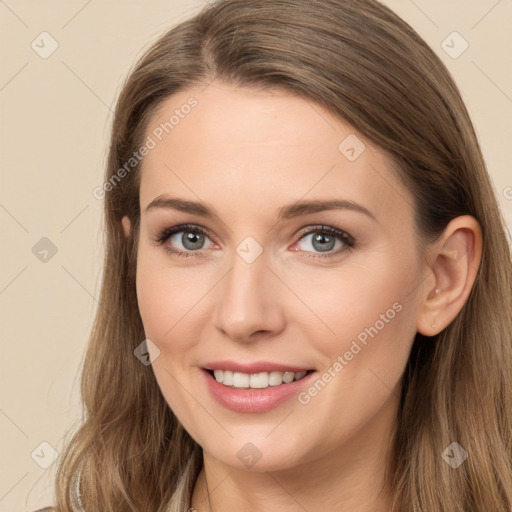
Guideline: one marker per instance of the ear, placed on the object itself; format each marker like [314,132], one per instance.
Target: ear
[456,258]
[127,226]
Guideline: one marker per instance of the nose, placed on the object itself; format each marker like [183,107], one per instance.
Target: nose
[250,304]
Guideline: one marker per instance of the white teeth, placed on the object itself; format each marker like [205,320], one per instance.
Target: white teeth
[275,378]
[241,380]
[227,378]
[256,380]
[288,377]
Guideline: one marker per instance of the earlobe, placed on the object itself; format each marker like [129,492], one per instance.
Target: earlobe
[127,227]
[457,258]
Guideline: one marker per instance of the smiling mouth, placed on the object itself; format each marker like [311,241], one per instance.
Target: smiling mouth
[260,380]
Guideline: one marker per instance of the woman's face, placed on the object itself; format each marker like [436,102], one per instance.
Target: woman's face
[270,280]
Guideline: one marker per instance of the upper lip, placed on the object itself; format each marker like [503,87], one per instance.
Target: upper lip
[255,367]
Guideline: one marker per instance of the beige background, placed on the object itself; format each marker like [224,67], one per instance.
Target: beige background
[56,113]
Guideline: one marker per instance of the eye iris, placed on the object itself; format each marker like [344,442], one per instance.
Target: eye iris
[326,242]
[323,241]
[195,239]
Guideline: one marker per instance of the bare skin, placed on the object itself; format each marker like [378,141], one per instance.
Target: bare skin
[246,154]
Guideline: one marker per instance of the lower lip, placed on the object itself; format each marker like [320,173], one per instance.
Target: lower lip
[254,400]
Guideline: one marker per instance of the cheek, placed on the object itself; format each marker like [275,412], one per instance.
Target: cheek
[170,301]
[159,296]
[154,296]
[365,338]
[366,331]
[166,301]
[360,302]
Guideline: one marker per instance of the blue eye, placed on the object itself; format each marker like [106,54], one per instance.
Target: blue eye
[324,239]
[192,239]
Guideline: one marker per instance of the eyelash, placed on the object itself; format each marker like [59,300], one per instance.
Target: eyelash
[166,233]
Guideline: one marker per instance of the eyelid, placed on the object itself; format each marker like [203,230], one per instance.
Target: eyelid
[167,232]
[324,228]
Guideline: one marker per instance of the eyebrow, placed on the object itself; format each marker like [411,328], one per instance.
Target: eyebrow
[290,211]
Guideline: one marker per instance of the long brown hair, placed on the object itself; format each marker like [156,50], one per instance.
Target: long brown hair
[364,64]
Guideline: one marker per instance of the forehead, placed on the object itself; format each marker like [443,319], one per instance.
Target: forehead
[245,149]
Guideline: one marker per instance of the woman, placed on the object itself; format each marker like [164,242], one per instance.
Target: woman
[306,293]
